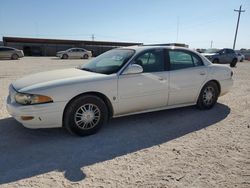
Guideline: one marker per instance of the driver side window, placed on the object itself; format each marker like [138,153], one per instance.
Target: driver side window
[151,61]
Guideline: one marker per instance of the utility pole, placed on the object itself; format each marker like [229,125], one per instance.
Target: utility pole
[211,44]
[93,37]
[239,12]
[177,33]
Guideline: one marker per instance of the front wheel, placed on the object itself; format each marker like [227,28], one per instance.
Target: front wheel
[65,56]
[85,115]
[208,96]
[86,56]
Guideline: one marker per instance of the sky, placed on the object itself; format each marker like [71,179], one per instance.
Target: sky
[193,22]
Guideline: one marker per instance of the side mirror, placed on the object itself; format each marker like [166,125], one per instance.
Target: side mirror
[133,69]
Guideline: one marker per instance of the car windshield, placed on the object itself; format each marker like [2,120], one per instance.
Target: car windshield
[109,62]
[212,50]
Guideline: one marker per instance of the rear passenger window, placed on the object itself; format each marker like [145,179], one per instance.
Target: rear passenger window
[181,60]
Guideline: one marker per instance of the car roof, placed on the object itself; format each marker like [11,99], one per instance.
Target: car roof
[76,48]
[149,47]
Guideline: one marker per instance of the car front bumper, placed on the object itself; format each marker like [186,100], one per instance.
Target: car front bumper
[49,115]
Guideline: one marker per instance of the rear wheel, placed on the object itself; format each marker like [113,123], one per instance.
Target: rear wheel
[233,63]
[208,96]
[14,57]
[85,115]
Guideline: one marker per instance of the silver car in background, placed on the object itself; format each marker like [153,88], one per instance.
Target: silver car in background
[74,53]
[10,53]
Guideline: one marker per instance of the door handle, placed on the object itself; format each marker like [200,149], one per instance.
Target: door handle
[202,73]
[161,79]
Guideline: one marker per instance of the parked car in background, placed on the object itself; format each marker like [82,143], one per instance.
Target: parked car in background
[119,82]
[10,53]
[223,56]
[74,53]
[241,57]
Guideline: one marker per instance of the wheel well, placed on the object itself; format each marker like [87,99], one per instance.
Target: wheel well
[100,95]
[217,83]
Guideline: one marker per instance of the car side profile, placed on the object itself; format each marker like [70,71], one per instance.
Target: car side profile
[223,56]
[119,82]
[79,53]
[10,53]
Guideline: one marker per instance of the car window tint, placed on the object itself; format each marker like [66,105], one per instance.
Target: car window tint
[7,49]
[230,51]
[151,61]
[182,60]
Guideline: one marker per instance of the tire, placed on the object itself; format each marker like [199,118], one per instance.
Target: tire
[14,57]
[233,63]
[86,56]
[85,115]
[216,61]
[208,96]
[65,56]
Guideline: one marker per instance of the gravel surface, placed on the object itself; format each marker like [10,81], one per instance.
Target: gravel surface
[182,147]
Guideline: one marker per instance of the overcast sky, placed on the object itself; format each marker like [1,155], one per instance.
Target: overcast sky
[194,22]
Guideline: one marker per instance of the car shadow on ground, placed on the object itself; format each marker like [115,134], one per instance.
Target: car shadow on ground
[25,153]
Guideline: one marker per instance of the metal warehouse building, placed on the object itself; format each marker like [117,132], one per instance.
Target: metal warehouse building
[49,47]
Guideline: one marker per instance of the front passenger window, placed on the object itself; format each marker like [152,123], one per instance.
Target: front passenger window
[151,61]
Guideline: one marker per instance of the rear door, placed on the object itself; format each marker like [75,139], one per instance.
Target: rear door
[6,52]
[224,56]
[187,75]
[230,55]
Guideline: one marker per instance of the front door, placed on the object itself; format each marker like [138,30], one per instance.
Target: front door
[147,90]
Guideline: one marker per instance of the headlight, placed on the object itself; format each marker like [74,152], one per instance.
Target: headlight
[27,99]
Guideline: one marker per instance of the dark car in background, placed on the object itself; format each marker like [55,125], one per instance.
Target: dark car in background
[10,53]
[223,56]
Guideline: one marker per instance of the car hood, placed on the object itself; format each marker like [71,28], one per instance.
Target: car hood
[208,54]
[54,78]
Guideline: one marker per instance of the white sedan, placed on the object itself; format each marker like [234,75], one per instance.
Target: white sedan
[119,82]
[74,53]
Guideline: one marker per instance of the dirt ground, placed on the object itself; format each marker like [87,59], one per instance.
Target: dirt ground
[183,147]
